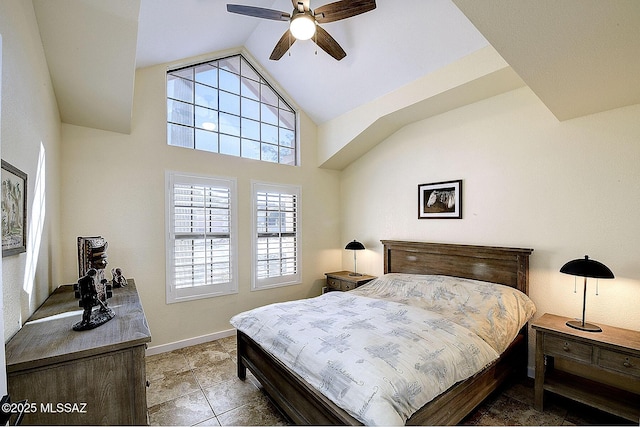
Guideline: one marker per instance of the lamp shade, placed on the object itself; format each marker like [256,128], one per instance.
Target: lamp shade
[585,267]
[354,246]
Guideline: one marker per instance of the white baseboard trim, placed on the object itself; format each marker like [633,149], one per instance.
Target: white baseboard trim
[163,348]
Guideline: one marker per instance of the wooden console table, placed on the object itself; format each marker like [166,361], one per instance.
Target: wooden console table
[600,369]
[94,377]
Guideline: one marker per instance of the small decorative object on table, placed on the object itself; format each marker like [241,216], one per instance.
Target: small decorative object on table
[92,253]
[92,288]
[118,280]
[92,295]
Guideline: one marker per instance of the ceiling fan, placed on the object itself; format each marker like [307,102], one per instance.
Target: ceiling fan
[303,22]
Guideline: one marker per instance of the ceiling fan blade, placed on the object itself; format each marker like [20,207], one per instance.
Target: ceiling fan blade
[328,43]
[282,46]
[258,12]
[343,9]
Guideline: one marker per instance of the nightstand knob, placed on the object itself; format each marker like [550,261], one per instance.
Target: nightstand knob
[565,347]
[626,363]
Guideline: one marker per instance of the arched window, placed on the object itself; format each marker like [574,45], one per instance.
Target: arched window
[226,107]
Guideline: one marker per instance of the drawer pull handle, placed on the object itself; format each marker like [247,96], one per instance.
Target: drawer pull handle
[565,347]
[626,363]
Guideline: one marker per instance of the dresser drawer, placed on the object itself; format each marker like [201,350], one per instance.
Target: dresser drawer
[619,362]
[562,347]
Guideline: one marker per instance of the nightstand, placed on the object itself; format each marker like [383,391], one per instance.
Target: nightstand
[600,369]
[342,281]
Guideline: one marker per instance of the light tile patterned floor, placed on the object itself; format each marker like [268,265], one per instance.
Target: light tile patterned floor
[198,386]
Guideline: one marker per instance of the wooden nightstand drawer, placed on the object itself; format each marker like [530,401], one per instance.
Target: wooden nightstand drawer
[333,283]
[619,362]
[347,286]
[563,347]
[340,285]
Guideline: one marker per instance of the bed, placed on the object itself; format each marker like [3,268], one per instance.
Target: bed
[303,403]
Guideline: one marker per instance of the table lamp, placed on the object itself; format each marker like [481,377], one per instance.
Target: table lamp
[586,268]
[354,246]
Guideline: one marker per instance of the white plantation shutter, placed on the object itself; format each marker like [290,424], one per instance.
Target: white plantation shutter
[201,237]
[276,235]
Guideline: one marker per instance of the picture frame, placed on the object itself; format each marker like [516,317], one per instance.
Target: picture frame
[14,210]
[440,200]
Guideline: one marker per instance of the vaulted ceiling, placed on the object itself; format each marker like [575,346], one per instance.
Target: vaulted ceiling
[578,56]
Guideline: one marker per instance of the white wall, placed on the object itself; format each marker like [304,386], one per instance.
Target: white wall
[30,134]
[114,187]
[565,189]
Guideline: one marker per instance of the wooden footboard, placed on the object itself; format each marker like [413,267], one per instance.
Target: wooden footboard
[300,402]
[304,405]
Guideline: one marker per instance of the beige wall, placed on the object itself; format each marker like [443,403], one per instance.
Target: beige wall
[114,187]
[565,189]
[30,130]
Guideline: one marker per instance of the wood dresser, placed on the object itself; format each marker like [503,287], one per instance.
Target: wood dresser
[600,369]
[93,377]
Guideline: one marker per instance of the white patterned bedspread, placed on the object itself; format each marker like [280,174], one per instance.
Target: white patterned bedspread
[380,360]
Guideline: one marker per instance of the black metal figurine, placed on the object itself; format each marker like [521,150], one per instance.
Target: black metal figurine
[92,295]
[92,288]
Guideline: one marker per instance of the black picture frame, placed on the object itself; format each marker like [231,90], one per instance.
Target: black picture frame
[14,210]
[440,200]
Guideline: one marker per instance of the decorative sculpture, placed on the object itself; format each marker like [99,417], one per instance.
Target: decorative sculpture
[118,279]
[92,288]
[92,253]
[92,295]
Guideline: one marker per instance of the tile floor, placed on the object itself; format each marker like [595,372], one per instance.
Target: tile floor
[198,386]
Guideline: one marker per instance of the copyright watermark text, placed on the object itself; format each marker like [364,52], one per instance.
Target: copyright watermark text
[27,407]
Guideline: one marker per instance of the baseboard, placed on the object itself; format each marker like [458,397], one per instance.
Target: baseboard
[163,348]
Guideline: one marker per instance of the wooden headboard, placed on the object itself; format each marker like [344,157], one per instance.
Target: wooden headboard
[507,266]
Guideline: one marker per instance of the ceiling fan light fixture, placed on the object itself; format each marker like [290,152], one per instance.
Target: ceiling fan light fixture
[302,26]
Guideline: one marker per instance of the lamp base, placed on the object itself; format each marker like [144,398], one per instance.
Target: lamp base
[355,274]
[588,327]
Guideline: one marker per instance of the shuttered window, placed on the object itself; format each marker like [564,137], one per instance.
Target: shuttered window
[201,237]
[276,235]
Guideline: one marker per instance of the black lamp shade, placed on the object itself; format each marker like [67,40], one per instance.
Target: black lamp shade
[354,246]
[587,268]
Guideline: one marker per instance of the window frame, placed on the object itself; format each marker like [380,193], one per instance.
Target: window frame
[234,132]
[173,294]
[257,283]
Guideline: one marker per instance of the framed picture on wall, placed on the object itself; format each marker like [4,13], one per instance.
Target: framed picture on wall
[14,210]
[440,200]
